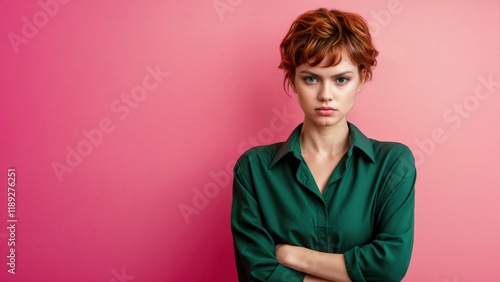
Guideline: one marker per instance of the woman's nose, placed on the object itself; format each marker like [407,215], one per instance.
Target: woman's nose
[325,93]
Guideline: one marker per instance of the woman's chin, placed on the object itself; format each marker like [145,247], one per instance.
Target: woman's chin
[324,121]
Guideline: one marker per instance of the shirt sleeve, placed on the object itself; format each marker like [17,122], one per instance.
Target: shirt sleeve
[387,257]
[253,245]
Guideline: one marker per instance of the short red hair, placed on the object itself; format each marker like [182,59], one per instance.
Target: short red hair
[320,34]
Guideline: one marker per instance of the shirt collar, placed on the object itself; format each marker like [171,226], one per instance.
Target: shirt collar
[357,139]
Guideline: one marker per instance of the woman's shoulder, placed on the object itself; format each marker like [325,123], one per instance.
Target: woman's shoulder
[379,151]
[262,154]
[390,151]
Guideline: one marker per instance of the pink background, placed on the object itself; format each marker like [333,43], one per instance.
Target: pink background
[116,216]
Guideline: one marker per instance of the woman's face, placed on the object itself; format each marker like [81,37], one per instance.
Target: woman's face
[327,94]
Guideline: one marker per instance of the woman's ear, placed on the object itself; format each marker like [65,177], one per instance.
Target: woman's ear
[362,79]
[292,84]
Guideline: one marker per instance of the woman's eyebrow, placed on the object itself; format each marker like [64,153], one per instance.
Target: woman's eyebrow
[336,75]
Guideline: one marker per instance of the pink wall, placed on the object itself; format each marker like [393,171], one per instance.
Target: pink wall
[116,114]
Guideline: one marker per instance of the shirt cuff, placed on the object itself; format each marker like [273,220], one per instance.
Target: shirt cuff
[352,267]
[285,274]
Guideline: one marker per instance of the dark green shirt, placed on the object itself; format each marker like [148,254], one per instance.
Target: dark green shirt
[366,211]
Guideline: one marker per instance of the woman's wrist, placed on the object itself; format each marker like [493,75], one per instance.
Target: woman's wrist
[282,253]
[315,264]
[295,257]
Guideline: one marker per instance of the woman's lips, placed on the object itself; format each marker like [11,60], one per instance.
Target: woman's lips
[325,111]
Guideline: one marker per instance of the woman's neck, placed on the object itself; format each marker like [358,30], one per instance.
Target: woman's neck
[324,140]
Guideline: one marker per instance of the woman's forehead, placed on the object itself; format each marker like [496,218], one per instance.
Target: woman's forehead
[324,67]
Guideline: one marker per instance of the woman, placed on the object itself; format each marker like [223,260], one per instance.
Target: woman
[328,204]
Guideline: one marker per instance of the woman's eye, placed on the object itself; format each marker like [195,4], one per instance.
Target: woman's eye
[342,80]
[310,79]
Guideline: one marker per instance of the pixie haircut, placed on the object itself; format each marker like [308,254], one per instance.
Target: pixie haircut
[322,34]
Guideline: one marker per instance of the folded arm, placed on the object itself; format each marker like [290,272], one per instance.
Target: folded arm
[254,247]
[387,256]
[319,266]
